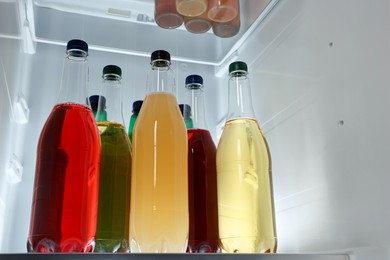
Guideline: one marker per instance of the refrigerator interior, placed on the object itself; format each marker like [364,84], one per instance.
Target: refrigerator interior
[319,74]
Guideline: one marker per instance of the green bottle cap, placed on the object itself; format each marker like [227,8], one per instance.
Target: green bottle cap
[238,66]
[112,69]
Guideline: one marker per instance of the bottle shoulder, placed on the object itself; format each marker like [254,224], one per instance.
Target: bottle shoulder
[242,127]
[160,110]
[242,121]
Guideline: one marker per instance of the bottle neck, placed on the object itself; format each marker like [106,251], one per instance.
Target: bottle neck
[74,78]
[240,99]
[195,97]
[161,78]
[112,91]
[102,116]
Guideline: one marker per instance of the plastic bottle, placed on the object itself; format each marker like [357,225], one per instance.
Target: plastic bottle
[112,230]
[222,11]
[202,175]
[227,29]
[94,102]
[186,113]
[166,15]
[136,108]
[159,188]
[197,24]
[244,176]
[191,8]
[64,208]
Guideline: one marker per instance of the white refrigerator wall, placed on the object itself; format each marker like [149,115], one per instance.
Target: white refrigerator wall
[319,72]
[8,60]
[320,84]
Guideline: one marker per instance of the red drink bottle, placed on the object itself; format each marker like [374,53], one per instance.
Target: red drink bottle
[64,208]
[202,178]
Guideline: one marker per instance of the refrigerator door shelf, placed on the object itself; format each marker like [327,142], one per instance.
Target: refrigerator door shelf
[117,9]
[128,27]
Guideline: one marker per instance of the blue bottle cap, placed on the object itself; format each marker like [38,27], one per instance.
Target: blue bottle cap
[94,102]
[137,106]
[76,44]
[194,79]
[185,110]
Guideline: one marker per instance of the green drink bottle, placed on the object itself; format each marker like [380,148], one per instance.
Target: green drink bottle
[136,108]
[94,102]
[186,113]
[112,229]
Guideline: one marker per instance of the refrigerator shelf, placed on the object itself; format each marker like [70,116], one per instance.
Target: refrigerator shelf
[174,256]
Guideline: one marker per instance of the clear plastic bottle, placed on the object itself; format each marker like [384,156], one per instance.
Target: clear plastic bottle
[185,110]
[191,8]
[159,188]
[94,102]
[112,230]
[166,15]
[197,24]
[65,199]
[202,175]
[227,29]
[244,176]
[133,119]
[222,11]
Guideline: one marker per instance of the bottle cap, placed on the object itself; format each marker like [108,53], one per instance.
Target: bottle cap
[112,69]
[76,44]
[94,101]
[160,55]
[185,110]
[238,66]
[194,79]
[137,106]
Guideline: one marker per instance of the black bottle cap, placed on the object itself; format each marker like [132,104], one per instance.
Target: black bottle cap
[194,79]
[238,66]
[137,106]
[185,110]
[160,55]
[76,44]
[112,69]
[94,102]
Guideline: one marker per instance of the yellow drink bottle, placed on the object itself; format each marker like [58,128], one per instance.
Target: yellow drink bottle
[244,177]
